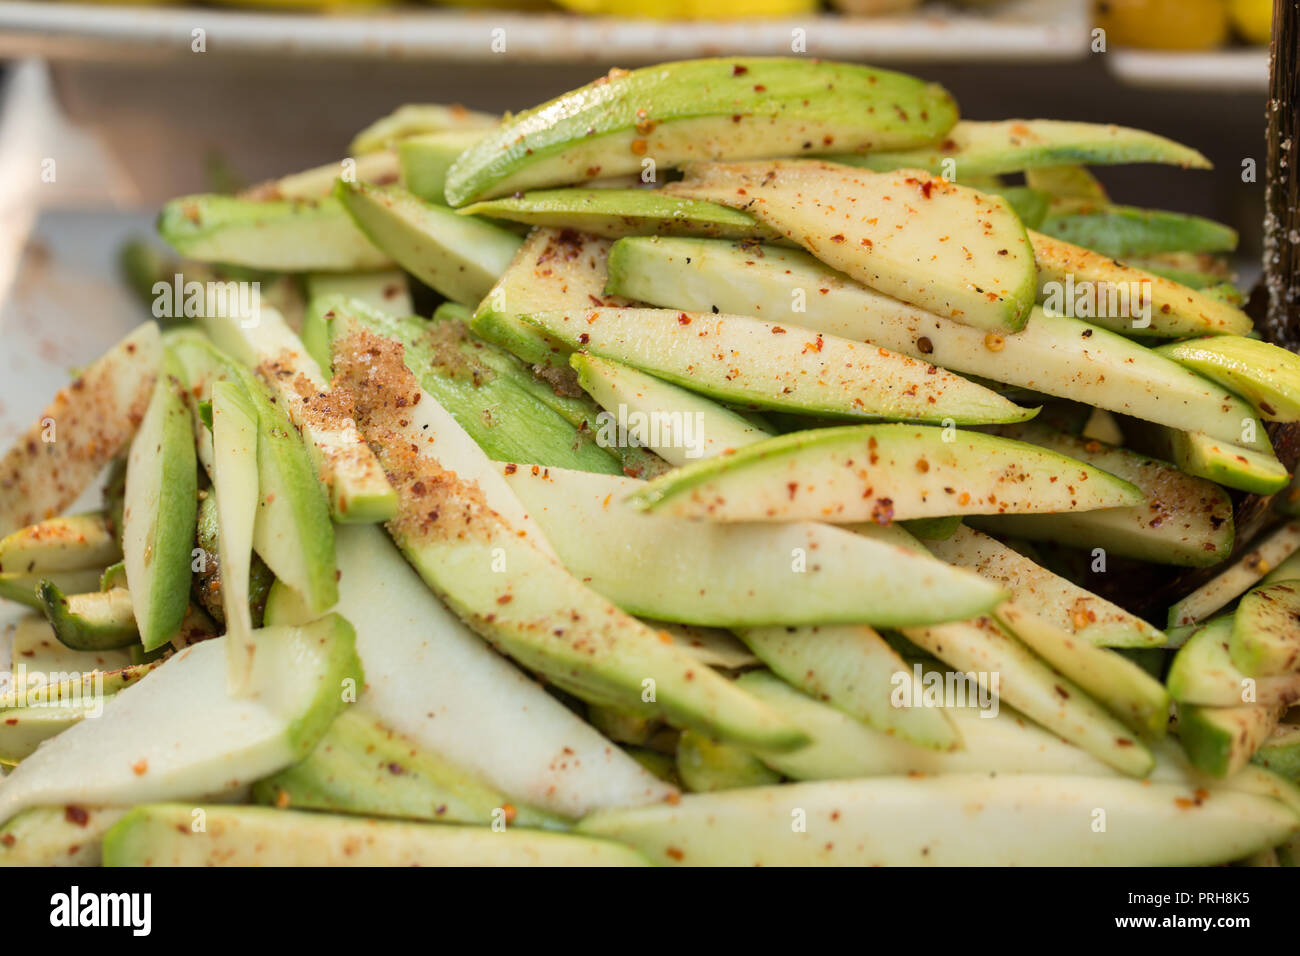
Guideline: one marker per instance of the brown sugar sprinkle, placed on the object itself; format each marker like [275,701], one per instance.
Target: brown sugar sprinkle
[371,376]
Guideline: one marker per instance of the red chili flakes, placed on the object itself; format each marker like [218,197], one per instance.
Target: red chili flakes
[683,318]
[838,237]
[739,70]
[882,512]
[77,815]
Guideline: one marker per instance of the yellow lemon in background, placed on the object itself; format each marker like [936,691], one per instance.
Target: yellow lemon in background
[1164,24]
[874,8]
[692,9]
[1253,19]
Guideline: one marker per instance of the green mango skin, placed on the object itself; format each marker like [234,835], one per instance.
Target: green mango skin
[973,148]
[740,108]
[290,235]
[1118,231]
[615,213]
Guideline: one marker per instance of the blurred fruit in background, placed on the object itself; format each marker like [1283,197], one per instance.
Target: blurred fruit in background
[1184,24]
[1164,24]
[874,8]
[692,9]
[304,5]
[1253,19]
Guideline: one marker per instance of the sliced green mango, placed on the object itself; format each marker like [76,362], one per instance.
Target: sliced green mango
[36,648]
[740,575]
[985,652]
[1121,231]
[161,507]
[344,465]
[97,620]
[416,119]
[386,289]
[1238,578]
[760,364]
[87,424]
[178,734]
[1052,354]
[426,158]
[1182,520]
[56,836]
[1219,741]
[362,767]
[25,728]
[509,412]
[854,669]
[1265,375]
[289,235]
[942,247]
[292,533]
[163,835]
[436,682]
[24,588]
[235,483]
[1280,753]
[1056,600]
[951,820]
[678,424]
[622,212]
[704,765]
[1007,146]
[65,543]
[1087,285]
[457,256]
[1118,684]
[1266,630]
[1203,673]
[378,167]
[1066,181]
[458,520]
[882,473]
[992,740]
[739,107]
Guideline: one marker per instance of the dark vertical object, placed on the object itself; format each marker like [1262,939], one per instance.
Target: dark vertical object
[1281,323]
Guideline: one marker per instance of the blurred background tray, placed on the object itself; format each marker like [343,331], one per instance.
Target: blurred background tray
[1016,31]
[1235,70]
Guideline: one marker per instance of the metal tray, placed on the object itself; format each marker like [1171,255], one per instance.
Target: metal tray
[1019,30]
